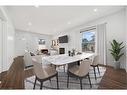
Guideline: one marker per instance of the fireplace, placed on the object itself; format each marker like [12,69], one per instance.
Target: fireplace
[61,50]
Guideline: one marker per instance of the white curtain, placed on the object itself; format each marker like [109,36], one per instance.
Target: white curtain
[101,43]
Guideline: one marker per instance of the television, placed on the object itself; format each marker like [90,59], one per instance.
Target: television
[63,39]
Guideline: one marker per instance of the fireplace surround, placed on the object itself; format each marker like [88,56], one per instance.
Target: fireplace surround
[61,50]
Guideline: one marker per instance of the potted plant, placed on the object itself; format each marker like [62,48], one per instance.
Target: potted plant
[116,52]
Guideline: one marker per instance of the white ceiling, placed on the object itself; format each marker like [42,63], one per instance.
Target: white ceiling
[52,19]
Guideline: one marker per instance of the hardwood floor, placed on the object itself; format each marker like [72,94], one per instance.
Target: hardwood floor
[14,78]
[29,73]
[114,79]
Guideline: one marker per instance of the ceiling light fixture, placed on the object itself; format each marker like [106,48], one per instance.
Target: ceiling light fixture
[68,22]
[29,23]
[95,10]
[23,39]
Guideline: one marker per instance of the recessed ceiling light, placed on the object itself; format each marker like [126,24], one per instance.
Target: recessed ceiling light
[68,22]
[29,23]
[95,10]
[23,39]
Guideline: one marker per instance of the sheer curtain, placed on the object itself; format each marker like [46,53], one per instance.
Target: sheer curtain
[101,43]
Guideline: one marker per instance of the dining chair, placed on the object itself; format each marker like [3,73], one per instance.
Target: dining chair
[80,71]
[27,60]
[95,64]
[43,73]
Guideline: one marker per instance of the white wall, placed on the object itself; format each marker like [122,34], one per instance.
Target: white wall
[74,40]
[0,45]
[115,30]
[7,40]
[126,38]
[29,41]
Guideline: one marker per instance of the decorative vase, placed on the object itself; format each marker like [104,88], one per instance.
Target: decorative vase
[117,64]
[73,52]
[69,53]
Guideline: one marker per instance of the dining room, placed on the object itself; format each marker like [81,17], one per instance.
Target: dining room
[60,47]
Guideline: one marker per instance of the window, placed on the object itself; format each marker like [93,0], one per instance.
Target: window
[88,41]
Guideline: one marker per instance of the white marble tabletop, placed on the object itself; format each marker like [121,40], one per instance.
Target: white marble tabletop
[64,58]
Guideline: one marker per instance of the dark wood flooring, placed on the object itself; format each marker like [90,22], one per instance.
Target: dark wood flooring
[14,78]
[114,79]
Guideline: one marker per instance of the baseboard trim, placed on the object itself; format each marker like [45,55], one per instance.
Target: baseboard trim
[110,67]
[105,65]
[28,66]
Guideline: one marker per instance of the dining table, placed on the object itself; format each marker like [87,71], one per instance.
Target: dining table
[63,59]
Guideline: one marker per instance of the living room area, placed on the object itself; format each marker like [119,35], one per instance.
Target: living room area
[47,45]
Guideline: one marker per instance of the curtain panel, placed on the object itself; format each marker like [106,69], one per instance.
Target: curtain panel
[101,43]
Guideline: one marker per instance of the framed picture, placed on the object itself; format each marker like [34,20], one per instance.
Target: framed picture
[55,42]
[41,41]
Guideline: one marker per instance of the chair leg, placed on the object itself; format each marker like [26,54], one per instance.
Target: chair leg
[64,68]
[95,73]
[67,80]
[50,81]
[98,69]
[35,82]
[55,67]
[41,85]
[57,82]
[80,83]
[89,80]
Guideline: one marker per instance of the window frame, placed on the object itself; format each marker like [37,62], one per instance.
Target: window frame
[94,29]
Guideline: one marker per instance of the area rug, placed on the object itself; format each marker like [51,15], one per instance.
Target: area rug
[73,82]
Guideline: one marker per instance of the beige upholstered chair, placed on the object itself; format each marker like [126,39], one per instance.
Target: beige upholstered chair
[27,60]
[43,73]
[95,64]
[80,72]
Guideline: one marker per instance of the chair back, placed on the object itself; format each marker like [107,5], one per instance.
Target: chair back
[37,58]
[27,59]
[38,70]
[84,67]
[96,60]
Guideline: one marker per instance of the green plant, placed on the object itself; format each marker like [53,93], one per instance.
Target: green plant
[116,50]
